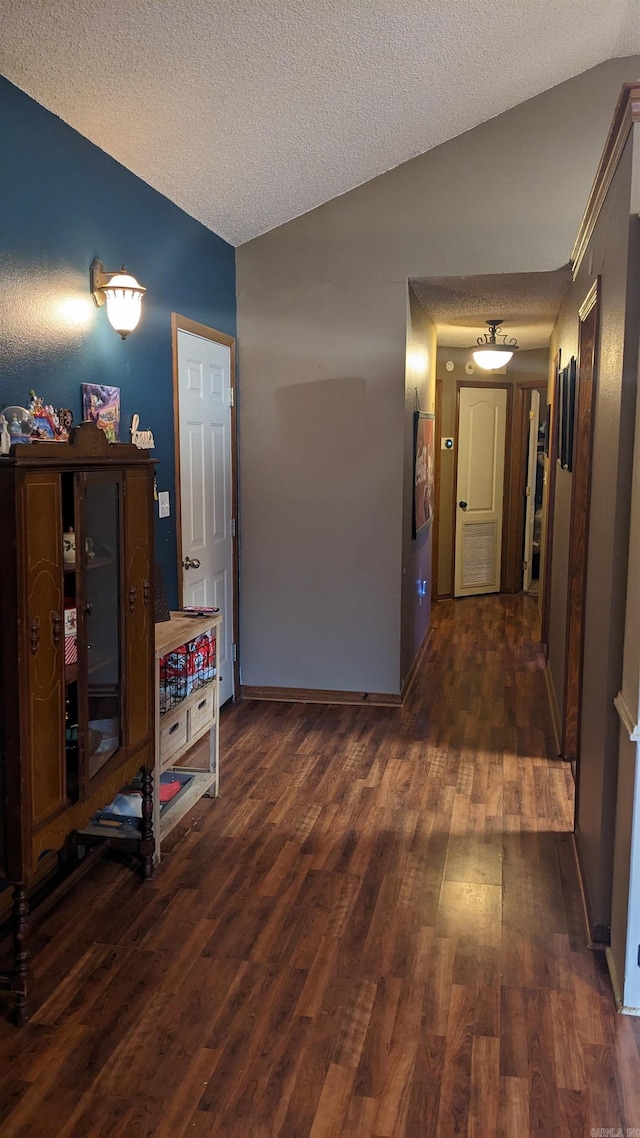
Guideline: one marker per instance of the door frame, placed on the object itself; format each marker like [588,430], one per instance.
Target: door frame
[552,455]
[506,478]
[185,324]
[517,481]
[435,531]
[587,382]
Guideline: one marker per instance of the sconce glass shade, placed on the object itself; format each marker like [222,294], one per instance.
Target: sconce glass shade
[121,293]
[124,302]
[490,358]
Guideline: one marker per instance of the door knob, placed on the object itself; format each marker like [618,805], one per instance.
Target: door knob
[462,505]
[191,563]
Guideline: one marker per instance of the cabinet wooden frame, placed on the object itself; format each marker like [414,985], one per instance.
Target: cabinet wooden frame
[46,799]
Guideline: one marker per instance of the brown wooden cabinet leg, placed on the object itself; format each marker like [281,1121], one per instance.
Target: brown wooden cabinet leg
[20,979]
[147,843]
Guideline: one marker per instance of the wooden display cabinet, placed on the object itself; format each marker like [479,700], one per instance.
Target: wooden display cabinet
[75,729]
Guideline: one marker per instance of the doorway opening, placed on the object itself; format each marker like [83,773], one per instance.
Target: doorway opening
[528,304]
[534,490]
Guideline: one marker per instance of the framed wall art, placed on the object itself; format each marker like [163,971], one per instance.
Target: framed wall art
[566,408]
[424,468]
[101,405]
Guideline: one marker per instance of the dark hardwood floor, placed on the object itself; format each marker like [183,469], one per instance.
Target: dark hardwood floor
[375,932]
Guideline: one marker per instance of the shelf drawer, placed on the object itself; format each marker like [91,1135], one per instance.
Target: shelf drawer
[173,734]
[201,712]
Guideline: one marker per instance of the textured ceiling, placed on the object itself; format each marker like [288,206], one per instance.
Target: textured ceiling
[527,303]
[247,113]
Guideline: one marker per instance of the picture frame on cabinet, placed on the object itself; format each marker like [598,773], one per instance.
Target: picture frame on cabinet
[101,405]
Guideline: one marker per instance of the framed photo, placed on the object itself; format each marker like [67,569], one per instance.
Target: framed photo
[559,401]
[423,467]
[566,403]
[101,404]
[571,410]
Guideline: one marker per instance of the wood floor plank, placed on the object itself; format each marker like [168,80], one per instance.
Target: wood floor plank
[455,1092]
[395,1092]
[334,1102]
[485,1086]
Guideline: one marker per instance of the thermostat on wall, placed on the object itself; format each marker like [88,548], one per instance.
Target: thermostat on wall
[449,365]
[469,367]
[446,444]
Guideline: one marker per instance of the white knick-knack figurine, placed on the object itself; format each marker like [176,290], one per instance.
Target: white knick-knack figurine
[5,437]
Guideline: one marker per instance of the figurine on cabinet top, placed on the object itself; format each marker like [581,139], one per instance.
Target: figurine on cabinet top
[48,423]
[5,437]
[19,427]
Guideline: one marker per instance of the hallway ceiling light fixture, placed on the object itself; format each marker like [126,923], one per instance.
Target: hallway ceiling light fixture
[492,354]
[122,294]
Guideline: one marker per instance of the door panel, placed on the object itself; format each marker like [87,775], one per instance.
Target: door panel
[480,489]
[43,646]
[204,393]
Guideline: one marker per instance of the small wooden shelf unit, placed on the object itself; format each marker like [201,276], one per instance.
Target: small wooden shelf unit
[185,725]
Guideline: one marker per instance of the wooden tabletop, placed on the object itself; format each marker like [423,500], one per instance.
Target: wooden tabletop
[171,634]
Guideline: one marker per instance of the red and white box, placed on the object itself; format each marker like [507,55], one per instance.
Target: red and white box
[71,635]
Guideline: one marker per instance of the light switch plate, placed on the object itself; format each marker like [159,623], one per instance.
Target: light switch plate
[164,507]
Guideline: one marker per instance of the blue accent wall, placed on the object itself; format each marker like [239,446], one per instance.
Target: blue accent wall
[62,203]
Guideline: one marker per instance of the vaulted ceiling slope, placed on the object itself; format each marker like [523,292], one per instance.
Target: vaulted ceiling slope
[247,113]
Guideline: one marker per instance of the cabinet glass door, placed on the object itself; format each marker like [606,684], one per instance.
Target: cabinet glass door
[101,611]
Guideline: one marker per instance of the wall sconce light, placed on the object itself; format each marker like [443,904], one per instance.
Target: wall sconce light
[491,354]
[122,294]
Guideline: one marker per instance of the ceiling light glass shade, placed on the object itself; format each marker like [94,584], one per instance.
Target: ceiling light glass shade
[124,302]
[490,353]
[490,358]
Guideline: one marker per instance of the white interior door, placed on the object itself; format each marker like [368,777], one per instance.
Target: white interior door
[204,394]
[480,485]
[530,490]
